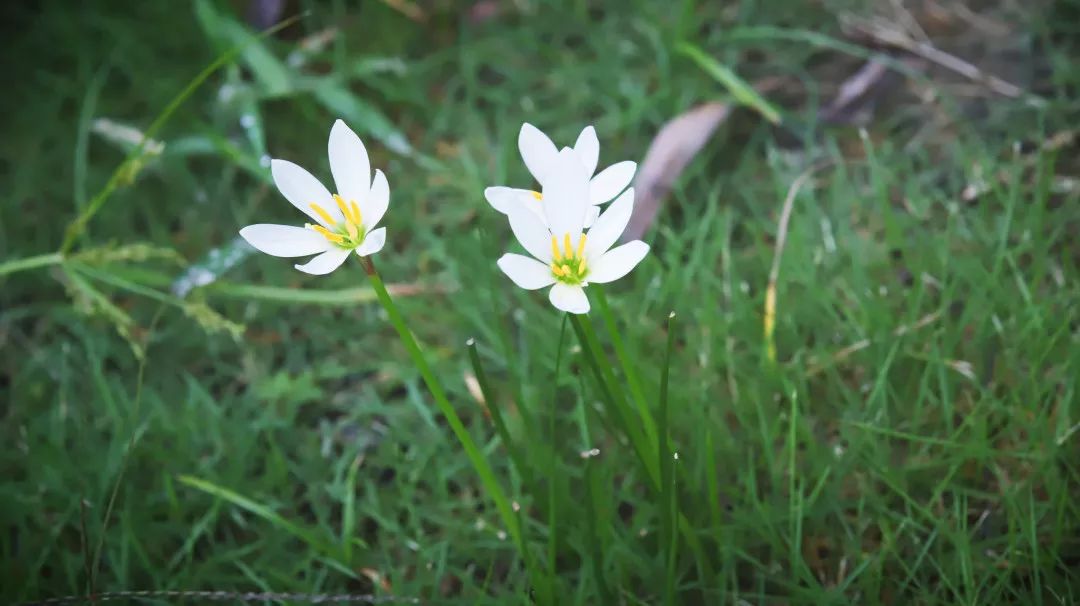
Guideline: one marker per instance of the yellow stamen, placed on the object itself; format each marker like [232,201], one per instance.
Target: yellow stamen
[581,248]
[354,231]
[356,212]
[555,269]
[344,208]
[555,254]
[569,249]
[322,213]
[329,235]
[566,269]
[537,195]
[581,268]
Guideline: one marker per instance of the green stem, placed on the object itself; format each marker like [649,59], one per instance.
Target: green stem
[628,368]
[613,396]
[76,227]
[595,495]
[669,511]
[16,265]
[480,464]
[553,481]
[493,408]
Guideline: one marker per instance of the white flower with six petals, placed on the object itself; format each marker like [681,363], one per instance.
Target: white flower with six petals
[344,222]
[540,156]
[564,256]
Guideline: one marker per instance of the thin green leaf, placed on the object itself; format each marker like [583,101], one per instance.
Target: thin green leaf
[739,88]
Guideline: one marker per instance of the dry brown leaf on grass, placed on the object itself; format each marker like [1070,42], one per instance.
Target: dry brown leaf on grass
[676,143]
[674,146]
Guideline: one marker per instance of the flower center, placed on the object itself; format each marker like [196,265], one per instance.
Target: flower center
[568,265]
[349,234]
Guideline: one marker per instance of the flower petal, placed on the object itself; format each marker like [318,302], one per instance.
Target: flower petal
[326,262]
[374,208]
[566,195]
[285,240]
[591,214]
[611,181]
[618,262]
[607,229]
[349,163]
[373,242]
[531,232]
[537,151]
[302,189]
[502,198]
[568,298]
[527,273]
[588,149]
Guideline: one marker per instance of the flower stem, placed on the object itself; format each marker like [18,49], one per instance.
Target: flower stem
[480,464]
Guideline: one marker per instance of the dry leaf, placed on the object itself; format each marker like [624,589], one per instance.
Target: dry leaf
[678,141]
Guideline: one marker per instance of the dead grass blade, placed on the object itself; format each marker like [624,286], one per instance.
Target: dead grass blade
[769,322]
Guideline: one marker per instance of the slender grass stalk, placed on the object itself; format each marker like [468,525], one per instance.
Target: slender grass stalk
[618,408]
[16,265]
[76,227]
[493,409]
[480,464]
[638,394]
[668,511]
[92,581]
[553,482]
[613,396]
[595,501]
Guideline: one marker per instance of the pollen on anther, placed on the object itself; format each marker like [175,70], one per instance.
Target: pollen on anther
[344,208]
[329,235]
[566,245]
[537,195]
[555,254]
[323,214]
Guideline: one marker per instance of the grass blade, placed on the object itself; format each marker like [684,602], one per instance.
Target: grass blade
[262,511]
[739,88]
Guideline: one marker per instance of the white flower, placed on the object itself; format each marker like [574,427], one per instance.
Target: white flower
[540,155]
[344,222]
[564,257]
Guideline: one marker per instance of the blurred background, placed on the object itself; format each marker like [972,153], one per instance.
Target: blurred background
[178,413]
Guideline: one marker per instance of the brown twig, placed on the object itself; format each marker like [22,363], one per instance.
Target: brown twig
[887,35]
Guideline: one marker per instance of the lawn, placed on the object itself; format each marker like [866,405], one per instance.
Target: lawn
[867,392]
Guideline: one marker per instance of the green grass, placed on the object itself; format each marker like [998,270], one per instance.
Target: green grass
[873,463]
